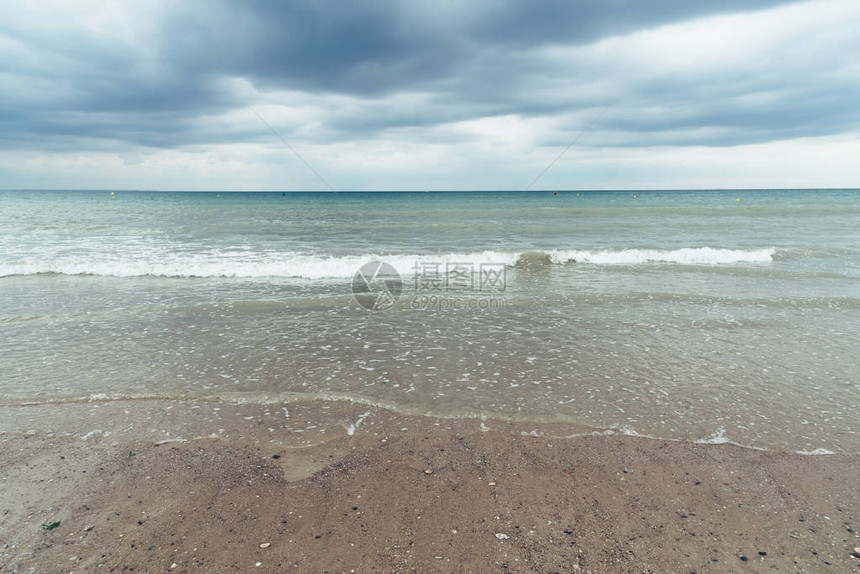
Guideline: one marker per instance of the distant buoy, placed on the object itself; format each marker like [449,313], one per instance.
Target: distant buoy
[738,199]
[219,195]
[634,196]
[555,193]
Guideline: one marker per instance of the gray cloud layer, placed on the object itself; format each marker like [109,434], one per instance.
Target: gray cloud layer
[156,80]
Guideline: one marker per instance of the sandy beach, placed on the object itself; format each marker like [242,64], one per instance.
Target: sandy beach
[411,495]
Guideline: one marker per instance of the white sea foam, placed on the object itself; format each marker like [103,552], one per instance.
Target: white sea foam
[719,437]
[233,264]
[685,256]
[816,452]
[350,429]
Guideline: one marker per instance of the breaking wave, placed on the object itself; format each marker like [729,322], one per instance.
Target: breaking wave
[344,267]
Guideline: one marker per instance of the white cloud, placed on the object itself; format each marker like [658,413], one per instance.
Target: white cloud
[781,40]
[385,164]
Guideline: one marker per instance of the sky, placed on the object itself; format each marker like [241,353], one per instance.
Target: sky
[447,95]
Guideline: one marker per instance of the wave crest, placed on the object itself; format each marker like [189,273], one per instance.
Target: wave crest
[686,256]
[344,267]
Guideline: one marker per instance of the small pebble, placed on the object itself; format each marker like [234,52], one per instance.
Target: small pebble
[173,566]
[856,552]
[492,484]
[501,536]
[265,544]
[428,471]
[258,564]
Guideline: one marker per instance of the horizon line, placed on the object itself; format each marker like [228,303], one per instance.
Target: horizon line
[555,190]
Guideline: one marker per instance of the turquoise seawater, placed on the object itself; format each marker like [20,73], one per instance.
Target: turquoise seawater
[690,315]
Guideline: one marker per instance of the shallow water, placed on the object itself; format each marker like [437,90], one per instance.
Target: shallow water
[682,315]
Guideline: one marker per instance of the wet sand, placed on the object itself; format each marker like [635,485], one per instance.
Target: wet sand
[430,498]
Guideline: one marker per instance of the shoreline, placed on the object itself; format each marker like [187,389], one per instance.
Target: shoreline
[495,500]
[334,413]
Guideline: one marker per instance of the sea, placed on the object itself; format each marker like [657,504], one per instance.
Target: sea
[703,316]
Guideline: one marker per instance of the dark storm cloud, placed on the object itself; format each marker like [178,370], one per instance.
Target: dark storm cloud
[527,23]
[67,87]
[369,48]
